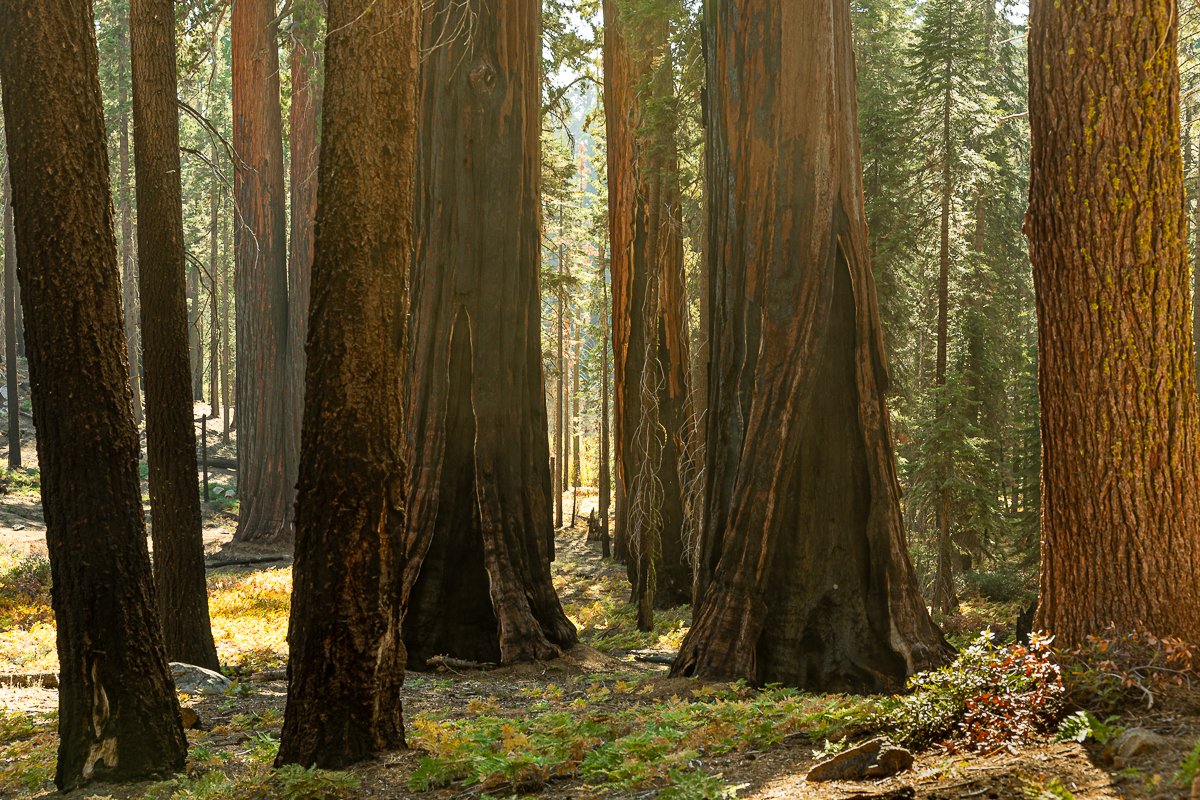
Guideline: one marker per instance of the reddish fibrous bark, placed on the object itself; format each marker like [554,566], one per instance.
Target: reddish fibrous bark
[1107,229]
[804,575]
[303,120]
[649,333]
[265,454]
[477,584]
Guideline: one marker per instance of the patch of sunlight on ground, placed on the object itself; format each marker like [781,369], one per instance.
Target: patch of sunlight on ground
[249,613]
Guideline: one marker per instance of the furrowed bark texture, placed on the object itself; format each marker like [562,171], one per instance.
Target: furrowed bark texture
[1108,237]
[260,242]
[170,435]
[806,577]
[347,657]
[605,485]
[478,584]
[651,397]
[215,265]
[118,716]
[193,329]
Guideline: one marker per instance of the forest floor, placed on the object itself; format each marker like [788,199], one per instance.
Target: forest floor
[599,722]
[605,720]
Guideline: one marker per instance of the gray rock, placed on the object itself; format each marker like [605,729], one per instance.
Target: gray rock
[191,679]
[877,758]
[1131,744]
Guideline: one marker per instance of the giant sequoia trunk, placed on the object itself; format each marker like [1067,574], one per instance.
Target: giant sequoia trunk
[118,716]
[303,118]
[264,452]
[805,575]
[346,661]
[170,436]
[1108,238]
[649,309]
[478,584]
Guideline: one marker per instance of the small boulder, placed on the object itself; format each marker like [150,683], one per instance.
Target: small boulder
[1133,743]
[877,758]
[191,679]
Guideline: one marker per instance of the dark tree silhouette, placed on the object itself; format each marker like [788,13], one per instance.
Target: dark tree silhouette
[170,435]
[118,716]
[347,656]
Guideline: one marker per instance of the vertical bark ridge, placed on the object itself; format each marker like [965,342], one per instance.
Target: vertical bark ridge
[118,715]
[1107,226]
[805,571]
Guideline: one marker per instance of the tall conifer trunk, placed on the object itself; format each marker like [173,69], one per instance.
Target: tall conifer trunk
[944,594]
[346,662]
[649,309]
[303,120]
[170,436]
[1107,230]
[260,241]
[480,531]
[118,715]
[129,279]
[805,574]
[13,383]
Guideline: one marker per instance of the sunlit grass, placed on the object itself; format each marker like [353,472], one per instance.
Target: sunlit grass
[249,613]
[610,625]
[26,619]
[21,481]
[644,745]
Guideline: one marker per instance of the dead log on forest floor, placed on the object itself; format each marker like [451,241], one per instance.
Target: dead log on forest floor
[27,680]
[243,562]
[455,664]
[216,462]
[654,658]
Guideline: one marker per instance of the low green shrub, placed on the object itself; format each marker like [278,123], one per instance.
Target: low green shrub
[991,695]
[1117,671]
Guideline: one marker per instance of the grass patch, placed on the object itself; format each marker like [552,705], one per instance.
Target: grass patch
[28,749]
[250,618]
[21,481]
[649,745]
[287,783]
[610,625]
[26,619]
